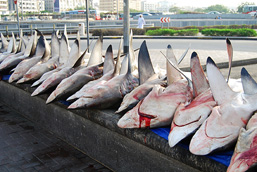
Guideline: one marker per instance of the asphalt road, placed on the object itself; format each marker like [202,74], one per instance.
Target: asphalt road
[196,44]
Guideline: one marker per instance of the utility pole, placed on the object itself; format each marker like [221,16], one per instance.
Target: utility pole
[18,20]
[126,27]
[118,9]
[87,16]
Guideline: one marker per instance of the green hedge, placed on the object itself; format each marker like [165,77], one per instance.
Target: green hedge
[229,32]
[172,32]
[115,32]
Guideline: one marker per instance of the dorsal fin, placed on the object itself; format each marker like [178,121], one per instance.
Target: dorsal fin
[55,44]
[39,32]
[33,48]
[40,49]
[118,62]
[47,53]
[145,67]
[64,50]
[20,42]
[199,79]
[74,54]
[183,55]
[80,62]
[108,61]
[249,84]
[179,71]
[124,65]
[230,56]
[66,36]
[96,54]
[219,87]
[132,53]
[14,43]
[4,42]
[172,74]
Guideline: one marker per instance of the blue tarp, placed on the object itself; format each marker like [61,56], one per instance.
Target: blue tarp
[222,157]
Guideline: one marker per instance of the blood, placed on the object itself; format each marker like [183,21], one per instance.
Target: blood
[147,121]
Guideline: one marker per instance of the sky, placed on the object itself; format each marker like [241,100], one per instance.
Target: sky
[206,3]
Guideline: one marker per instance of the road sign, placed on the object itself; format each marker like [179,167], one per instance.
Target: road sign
[15,1]
[165,19]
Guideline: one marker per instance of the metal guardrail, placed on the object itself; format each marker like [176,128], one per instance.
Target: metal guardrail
[70,29]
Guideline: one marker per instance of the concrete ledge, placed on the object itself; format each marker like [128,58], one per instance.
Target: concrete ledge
[95,133]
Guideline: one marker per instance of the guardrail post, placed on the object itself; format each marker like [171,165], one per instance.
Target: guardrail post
[31,32]
[7,35]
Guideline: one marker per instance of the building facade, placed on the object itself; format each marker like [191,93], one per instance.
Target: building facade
[113,5]
[3,6]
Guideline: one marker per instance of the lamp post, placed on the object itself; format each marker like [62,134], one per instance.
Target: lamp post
[18,20]
[126,27]
[87,17]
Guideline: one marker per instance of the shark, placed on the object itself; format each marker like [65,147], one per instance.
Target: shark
[43,66]
[106,77]
[158,107]
[233,110]
[9,48]
[62,61]
[42,54]
[109,93]
[245,153]
[55,78]
[147,79]
[4,45]
[12,61]
[93,70]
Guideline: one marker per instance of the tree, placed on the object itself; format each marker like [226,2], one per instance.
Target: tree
[175,9]
[240,7]
[218,7]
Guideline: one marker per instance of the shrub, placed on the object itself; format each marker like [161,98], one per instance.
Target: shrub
[172,32]
[229,32]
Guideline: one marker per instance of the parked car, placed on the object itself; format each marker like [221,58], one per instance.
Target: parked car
[213,12]
[33,19]
[144,14]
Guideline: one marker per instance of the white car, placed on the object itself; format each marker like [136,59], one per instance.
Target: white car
[213,12]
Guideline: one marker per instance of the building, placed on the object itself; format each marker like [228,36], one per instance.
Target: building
[113,5]
[148,6]
[3,6]
[163,6]
[63,5]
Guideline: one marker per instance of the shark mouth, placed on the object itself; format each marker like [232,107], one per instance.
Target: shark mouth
[205,127]
[144,117]
[188,123]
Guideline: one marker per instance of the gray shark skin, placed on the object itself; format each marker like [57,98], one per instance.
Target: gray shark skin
[56,65]
[66,71]
[108,94]
[81,77]
[42,53]
[11,48]
[4,45]
[42,67]
[106,77]
[12,61]
[158,107]
[222,127]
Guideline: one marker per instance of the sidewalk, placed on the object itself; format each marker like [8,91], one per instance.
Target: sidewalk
[26,147]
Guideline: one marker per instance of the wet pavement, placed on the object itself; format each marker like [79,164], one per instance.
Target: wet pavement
[27,147]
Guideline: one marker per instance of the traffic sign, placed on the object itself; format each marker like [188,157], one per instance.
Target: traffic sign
[15,1]
[165,19]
